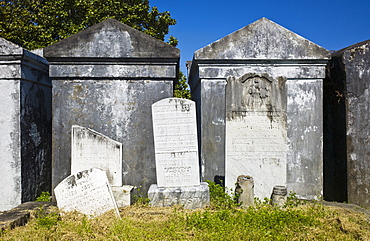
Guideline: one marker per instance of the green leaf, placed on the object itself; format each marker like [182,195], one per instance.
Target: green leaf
[36,24]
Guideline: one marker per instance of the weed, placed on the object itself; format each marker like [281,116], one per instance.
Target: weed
[298,220]
[44,197]
[293,201]
[265,201]
[46,218]
[220,199]
[141,200]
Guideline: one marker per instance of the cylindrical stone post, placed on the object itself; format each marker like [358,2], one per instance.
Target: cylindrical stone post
[245,190]
[279,195]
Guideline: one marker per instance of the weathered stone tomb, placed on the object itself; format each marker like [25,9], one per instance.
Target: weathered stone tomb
[25,120]
[259,101]
[106,78]
[347,125]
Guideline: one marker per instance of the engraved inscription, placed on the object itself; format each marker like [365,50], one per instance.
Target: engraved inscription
[256,141]
[92,149]
[87,191]
[175,141]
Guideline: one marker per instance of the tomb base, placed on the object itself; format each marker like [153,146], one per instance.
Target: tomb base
[122,195]
[190,197]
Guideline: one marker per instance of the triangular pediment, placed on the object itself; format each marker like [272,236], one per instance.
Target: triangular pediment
[262,39]
[111,39]
[9,48]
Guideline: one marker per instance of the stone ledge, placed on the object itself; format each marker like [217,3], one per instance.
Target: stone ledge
[349,206]
[20,215]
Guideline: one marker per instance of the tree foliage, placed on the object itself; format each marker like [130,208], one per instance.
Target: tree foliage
[36,24]
[181,87]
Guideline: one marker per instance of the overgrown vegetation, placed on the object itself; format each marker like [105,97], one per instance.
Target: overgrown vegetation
[219,197]
[46,218]
[44,197]
[223,220]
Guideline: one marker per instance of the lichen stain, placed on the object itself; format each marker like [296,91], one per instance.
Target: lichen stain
[361,50]
[35,135]
[77,92]
[302,98]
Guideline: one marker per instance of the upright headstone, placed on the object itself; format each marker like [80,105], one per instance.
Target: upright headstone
[271,118]
[93,149]
[25,120]
[176,155]
[106,78]
[175,141]
[87,192]
[346,125]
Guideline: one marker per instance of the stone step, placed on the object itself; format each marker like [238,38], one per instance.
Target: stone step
[20,215]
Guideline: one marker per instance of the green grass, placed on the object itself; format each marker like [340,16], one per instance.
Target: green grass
[223,220]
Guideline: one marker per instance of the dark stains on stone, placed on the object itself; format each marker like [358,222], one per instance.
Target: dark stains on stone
[113,97]
[264,39]
[120,41]
[72,179]
[347,128]
[334,124]
[20,215]
[35,139]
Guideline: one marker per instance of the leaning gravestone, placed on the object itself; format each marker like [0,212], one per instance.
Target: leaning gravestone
[93,149]
[87,192]
[176,154]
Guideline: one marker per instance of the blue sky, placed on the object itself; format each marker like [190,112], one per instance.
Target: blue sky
[330,24]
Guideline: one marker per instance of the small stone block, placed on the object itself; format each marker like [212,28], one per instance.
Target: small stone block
[191,197]
[122,195]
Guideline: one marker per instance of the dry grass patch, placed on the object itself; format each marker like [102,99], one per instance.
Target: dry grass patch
[221,221]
